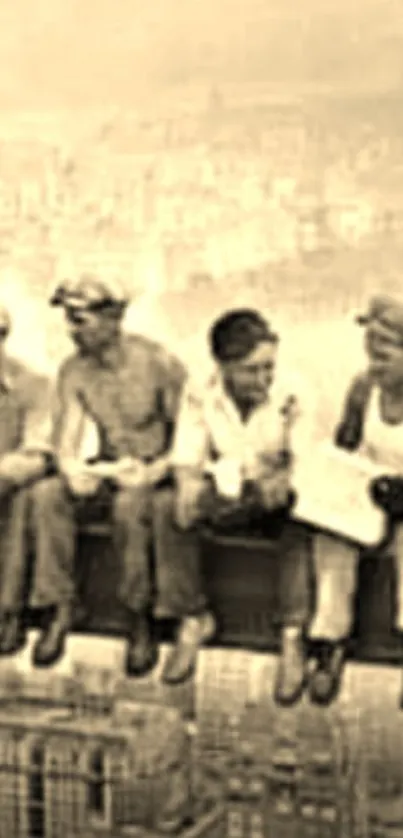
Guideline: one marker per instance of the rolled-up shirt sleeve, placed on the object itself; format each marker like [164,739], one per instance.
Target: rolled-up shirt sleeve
[191,442]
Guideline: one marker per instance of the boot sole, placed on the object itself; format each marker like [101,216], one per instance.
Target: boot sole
[332,694]
[206,639]
[141,671]
[186,676]
[324,701]
[46,662]
[281,701]
[13,650]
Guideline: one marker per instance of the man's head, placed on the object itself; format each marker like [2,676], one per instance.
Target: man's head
[245,348]
[93,312]
[384,340]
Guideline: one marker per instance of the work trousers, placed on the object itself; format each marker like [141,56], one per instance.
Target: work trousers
[292,576]
[14,548]
[335,567]
[139,517]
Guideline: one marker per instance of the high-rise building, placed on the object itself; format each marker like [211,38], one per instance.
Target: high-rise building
[221,692]
[246,797]
[93,768]
[323,804]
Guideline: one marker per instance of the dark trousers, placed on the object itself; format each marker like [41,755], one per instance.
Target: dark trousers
[292,579]
[14,520]
[292,576]
[138,516]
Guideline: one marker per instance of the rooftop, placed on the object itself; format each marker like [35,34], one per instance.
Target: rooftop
[121,724]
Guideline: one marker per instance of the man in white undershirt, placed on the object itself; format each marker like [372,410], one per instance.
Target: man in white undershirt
[372,426]
[233,434]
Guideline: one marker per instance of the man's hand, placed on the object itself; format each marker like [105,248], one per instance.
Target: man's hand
[187,500]
[387,493]
[80,478]
[130,473]
[21,467]
[228,477]
[274,489]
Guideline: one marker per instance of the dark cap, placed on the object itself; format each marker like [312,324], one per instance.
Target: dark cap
[386,313]
[89,294]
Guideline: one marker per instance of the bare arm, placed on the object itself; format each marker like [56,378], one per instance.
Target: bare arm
[68,416]
[69,422]
[349,431]
[171,377]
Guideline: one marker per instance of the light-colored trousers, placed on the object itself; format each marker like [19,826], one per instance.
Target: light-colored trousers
[335,567]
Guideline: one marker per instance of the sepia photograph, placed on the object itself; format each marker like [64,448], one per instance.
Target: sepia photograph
[201,419]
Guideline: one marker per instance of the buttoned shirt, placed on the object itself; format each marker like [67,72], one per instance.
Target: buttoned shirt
[130,394]
[209,425]
[24,408]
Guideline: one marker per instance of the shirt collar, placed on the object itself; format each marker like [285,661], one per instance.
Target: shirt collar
[223,401]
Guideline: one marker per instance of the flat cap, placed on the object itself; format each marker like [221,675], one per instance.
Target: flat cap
[384,312]
[89,293]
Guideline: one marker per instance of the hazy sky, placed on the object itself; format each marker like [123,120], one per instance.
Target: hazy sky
[71,52]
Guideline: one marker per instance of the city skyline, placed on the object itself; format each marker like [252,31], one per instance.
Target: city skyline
[309,767]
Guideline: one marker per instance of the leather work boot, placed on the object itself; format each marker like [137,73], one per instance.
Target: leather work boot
[290,678]
[50,646]
[325,680]
[142,649]
[12,634]
[193,633]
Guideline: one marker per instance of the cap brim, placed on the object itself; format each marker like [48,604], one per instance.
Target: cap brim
[77,305]
[363,319]
[56,300]
[62,297]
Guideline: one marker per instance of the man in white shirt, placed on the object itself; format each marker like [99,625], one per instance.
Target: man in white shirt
[237,430]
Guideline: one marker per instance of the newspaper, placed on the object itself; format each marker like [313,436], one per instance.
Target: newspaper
[333,494]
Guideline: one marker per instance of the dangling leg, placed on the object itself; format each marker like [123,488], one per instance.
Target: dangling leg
[54,530]
[132,530]
[181,588]
[335,564]
[293,584]
[13,557]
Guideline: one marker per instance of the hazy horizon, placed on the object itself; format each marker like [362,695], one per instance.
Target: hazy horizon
[180,205]
[72,54]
